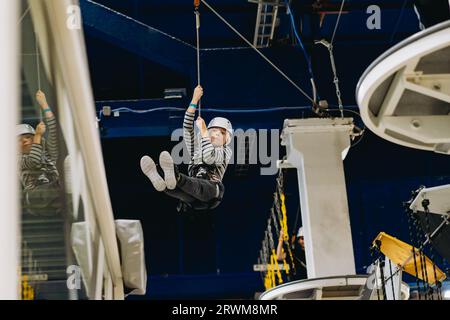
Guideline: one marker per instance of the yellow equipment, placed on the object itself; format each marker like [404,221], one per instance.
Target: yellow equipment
[401,253]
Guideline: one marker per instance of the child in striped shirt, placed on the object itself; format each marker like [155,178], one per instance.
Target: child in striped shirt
[210,154]
[38,156]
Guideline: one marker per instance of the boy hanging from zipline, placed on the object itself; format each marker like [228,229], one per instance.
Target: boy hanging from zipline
[210,154]
[38,157]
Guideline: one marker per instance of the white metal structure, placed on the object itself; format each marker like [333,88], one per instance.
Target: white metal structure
[439,198]
[62,46]
[329,288]
[393,281]
[9,195]
[404,96]
[266,21]
[315,147]
[62,51]
[438,206]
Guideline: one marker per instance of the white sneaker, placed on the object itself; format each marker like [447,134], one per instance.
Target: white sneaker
[166,163]
[148,167]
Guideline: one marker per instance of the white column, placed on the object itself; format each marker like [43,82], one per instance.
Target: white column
[71,59]
[315,147]
[9,210]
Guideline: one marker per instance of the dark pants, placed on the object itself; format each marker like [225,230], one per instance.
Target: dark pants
[43,200]
[194,190]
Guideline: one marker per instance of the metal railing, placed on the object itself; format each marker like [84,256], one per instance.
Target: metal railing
[63,55]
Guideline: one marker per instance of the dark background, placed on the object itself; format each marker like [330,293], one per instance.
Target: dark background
[211,255]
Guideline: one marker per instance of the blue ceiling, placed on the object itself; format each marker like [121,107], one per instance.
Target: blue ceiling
[118,35]
[177,19]
[138,48]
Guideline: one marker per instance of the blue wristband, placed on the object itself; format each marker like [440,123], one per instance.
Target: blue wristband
[193,105]
[47,110]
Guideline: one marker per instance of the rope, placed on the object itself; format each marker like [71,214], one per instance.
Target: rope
[279,189]
[272,273]
[267,277]
[375,265]
[24,14]
[422,260]
[284,221]
[377,268]
[197,28]
[329,46]
[300,42]
[425,204]
[397,23]
[285,241]
[278,272]
[383,280]
[277,232]
[392,279]
[420,270]
[278,204]
[268,252]
[274,267]
[295,230]
[273,259]
[275,223]
[276,109]
[423,267]
[258,51]
[380,265]
[272,250]
[417,272]
[38,67]
[197,31]
[282,214]
[436,282]
[409,215]
[337,21]
[423,244]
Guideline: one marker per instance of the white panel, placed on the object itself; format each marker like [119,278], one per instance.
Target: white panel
[9,196]
[401,62]
[314,147]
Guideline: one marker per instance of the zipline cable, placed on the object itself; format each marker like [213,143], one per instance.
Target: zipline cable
[258,51]
[197,29]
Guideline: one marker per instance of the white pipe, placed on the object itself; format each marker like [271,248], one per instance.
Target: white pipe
[9,195]
[99,272]
[70,61]
[71,56]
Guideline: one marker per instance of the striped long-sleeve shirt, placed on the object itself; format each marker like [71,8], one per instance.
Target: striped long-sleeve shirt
[205,157]
[39,166]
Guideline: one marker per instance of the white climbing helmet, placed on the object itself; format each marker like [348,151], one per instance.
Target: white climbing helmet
[223,123]
[24,129]
[300,232]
